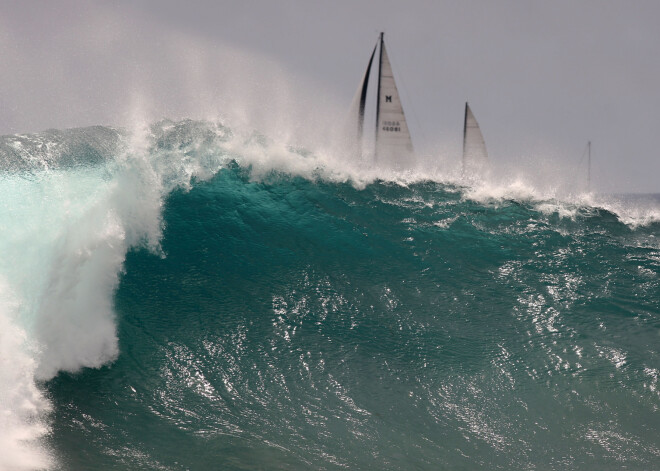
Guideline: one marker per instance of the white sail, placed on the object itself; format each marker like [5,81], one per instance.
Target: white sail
[393,143]
[475,156]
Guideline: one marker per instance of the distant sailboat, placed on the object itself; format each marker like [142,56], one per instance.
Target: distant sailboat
[475,156]
[393,142]
[587,153]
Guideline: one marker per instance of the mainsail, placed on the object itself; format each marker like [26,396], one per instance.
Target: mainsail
[393,143]
[475,157]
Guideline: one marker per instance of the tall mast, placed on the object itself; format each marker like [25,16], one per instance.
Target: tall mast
[380,69]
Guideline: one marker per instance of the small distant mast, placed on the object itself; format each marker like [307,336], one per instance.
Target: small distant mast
[589,166]
[587,152]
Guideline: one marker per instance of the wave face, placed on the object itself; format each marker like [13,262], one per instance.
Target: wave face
[191,298]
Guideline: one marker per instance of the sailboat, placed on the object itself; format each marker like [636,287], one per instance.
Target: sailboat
[393,144]
[587,153]
[475,156]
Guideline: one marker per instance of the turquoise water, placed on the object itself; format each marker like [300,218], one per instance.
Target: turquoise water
[188,304]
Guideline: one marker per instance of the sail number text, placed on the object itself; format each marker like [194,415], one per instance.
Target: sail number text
[391,126]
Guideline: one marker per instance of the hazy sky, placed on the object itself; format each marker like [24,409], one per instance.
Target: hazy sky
[542,77]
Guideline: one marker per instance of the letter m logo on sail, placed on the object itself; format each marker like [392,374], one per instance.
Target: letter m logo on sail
[388,98]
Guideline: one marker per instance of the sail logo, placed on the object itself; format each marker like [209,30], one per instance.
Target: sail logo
[388,98]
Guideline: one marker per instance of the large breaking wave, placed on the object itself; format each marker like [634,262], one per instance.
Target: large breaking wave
[405,311]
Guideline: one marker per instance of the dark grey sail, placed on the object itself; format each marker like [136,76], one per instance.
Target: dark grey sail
[358,106]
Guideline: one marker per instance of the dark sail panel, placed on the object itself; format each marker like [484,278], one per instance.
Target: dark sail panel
[356,114]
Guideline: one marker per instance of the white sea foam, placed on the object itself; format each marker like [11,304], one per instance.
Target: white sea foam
[22,405]
[556,197]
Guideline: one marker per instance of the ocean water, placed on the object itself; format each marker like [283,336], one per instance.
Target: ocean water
[188,297]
